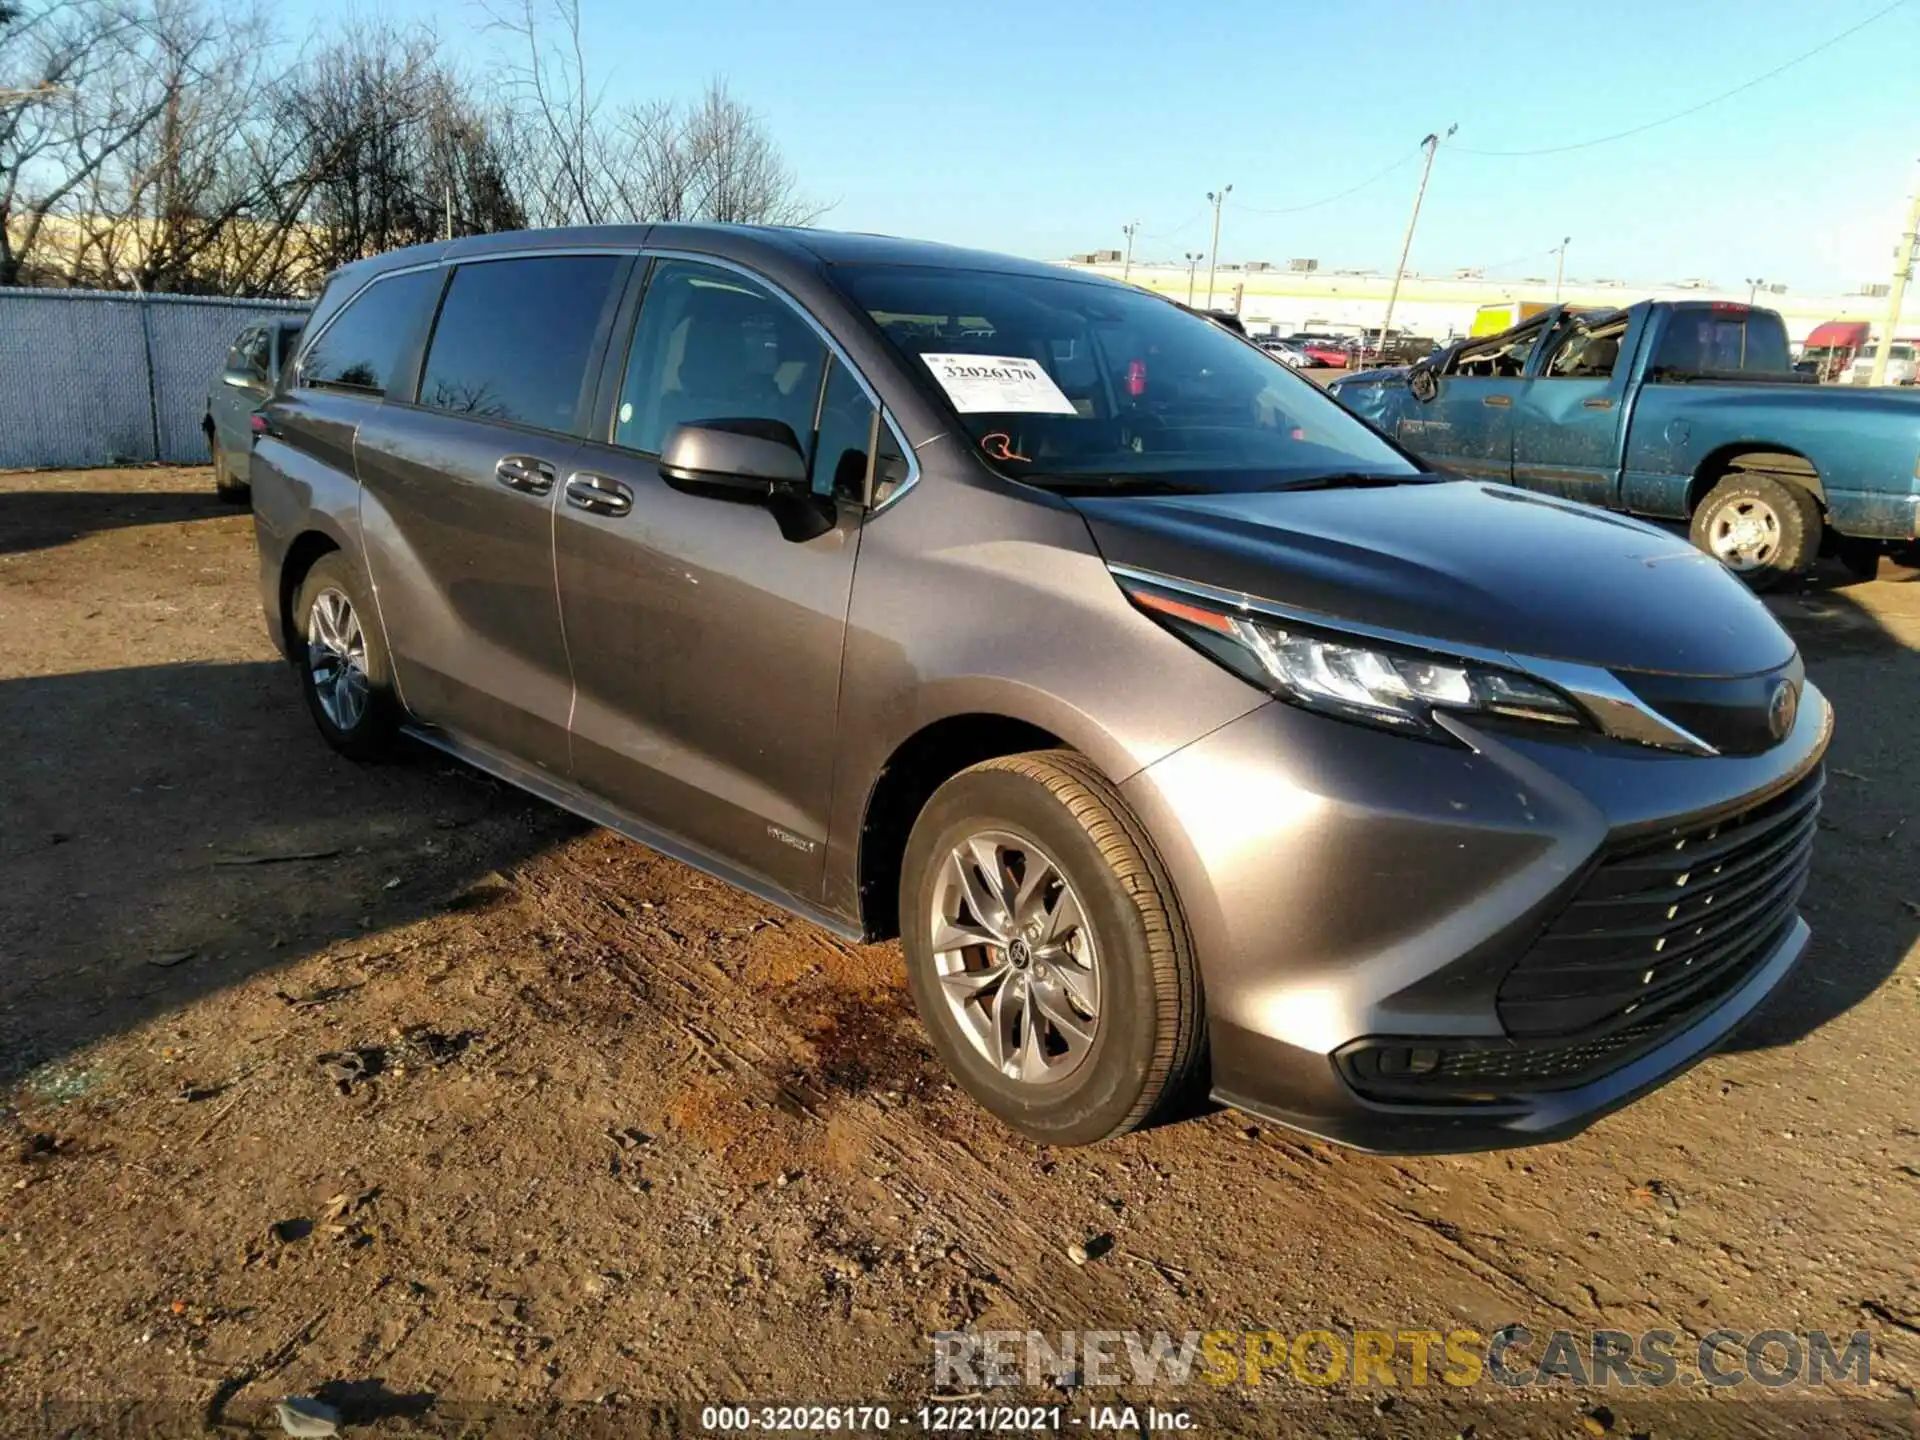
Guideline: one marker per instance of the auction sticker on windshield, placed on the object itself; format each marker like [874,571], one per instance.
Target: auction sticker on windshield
[998,384]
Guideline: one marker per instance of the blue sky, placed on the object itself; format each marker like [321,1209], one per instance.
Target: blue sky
[1042,126]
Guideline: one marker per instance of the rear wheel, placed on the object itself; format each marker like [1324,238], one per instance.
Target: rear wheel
[234,492]
[1764,529]
[343,666]
[1045,951]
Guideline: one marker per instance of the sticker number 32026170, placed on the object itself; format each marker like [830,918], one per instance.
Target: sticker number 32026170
[998,384]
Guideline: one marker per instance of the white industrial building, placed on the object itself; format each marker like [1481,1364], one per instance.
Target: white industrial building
[1303,295]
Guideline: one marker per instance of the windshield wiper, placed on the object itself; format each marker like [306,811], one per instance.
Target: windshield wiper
[1113,485]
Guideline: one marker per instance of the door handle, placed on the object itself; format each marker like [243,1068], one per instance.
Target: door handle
[1599,402]
[528,473]
[598,494]
[1500,401]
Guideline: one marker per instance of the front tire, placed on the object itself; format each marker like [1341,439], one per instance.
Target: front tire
[1763,529]
[1046,952]
[341,659]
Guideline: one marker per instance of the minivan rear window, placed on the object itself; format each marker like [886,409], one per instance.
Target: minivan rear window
[364,342]
[478,361]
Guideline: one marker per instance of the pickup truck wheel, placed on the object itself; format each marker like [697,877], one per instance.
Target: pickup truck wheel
[1763,529]
[1045,952]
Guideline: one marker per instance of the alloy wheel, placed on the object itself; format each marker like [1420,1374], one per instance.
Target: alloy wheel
[337,658]
[1015,957]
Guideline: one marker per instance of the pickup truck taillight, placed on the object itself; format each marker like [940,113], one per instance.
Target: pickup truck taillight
[257,424]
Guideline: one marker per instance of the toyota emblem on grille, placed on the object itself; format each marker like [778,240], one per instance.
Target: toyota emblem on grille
[1782,706]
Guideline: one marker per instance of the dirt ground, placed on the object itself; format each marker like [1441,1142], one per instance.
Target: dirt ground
[608,1135]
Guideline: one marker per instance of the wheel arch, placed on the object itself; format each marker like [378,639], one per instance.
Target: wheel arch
[919,765]
[303,553]
[1781,461]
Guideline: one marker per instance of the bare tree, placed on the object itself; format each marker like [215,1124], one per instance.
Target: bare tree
[573,161]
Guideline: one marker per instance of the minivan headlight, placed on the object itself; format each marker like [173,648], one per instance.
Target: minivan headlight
[1353,678]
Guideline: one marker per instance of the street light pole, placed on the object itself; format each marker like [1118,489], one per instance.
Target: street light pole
[1219,198]
[1432,145]
[1903,258]
[1560,267]
[1194,257]
[1129,231]
[1753,289]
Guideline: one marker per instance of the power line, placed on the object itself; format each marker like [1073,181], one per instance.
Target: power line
[1878,15]
[1183,225]
[1373,179]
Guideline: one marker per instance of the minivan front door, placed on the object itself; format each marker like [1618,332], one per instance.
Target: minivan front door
[457,495]
[706,648]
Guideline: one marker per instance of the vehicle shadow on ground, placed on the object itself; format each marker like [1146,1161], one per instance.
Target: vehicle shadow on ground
[42,519]
[167,831]
[1863,900]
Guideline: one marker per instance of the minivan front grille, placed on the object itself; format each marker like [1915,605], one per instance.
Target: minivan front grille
[1660,925]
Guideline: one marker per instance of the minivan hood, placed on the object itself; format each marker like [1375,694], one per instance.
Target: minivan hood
[1461,562]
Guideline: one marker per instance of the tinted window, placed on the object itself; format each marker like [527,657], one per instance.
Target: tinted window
[258,357]
[846,437]
[237,356]
[1064,381]
[1705,341]
[366,340]
[289,341]
[713,345]
[514,338]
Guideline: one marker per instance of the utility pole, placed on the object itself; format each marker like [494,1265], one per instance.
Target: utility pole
[1219,198]
[1194,257]
[1903,258]
[1560,267]
[1129,230]
[1432,145]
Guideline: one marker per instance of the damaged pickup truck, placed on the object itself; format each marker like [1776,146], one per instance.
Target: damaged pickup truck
[1687,411]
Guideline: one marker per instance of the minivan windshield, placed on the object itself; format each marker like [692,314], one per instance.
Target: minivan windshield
[1086,386]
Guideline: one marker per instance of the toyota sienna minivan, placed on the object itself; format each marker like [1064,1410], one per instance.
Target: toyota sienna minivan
[1186,731]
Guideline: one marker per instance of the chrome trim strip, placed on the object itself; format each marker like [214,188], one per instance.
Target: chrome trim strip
[1615,708]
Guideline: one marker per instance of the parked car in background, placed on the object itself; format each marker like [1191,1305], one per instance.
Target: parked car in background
[1677,410]
[245,383]
[1830,347]
[1901,366]
[1176,721]
[1400,348]
[1288,353]
[1322,347]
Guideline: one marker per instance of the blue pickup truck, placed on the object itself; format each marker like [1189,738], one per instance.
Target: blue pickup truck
[1683,410]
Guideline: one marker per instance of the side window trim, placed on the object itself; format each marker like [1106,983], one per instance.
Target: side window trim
[602,421]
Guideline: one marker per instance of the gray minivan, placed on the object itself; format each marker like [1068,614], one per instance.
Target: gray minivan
[1186,731]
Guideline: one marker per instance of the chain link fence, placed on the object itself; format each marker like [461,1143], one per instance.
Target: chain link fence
[91,377]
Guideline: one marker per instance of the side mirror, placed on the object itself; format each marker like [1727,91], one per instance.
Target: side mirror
[242,380]
[1423,380]
[754,462]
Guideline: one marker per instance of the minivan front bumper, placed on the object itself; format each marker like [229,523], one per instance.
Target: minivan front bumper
[1349,890]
